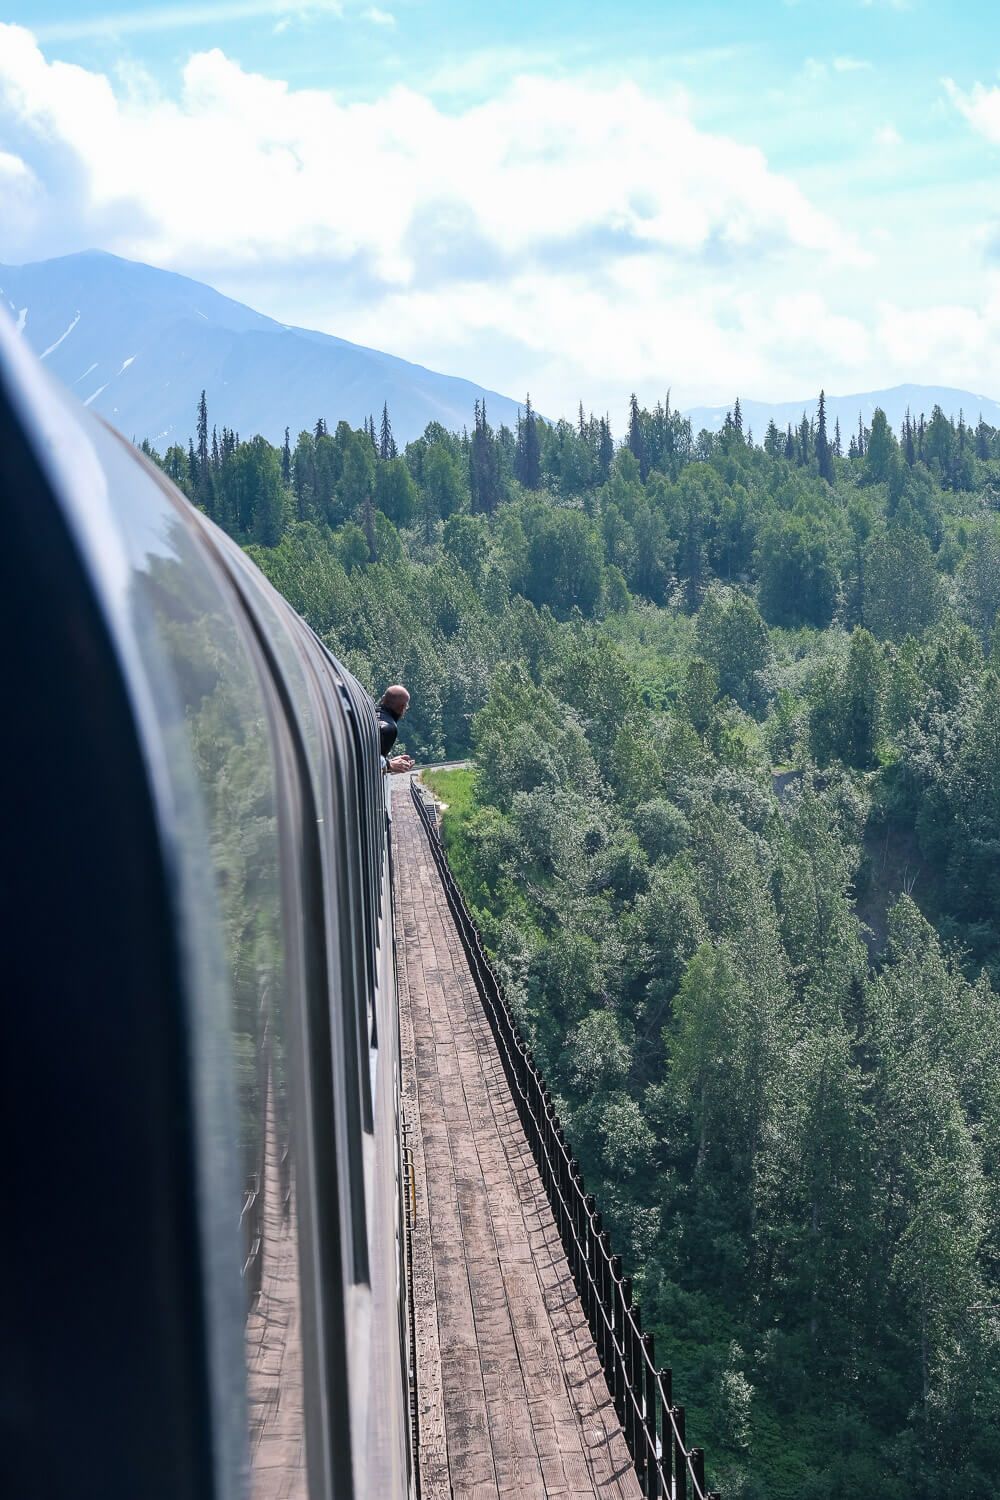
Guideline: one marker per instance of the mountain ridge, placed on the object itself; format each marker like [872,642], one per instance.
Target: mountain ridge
[895,401]
[139,344]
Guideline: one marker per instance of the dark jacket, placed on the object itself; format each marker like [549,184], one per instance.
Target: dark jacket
[388,726]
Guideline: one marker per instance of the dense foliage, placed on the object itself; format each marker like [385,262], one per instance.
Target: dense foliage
[735,831]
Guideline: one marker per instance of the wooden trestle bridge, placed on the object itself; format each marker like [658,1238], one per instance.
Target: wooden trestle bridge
[512,1397]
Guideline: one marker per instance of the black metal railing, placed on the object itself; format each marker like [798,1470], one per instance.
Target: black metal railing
[642,1392]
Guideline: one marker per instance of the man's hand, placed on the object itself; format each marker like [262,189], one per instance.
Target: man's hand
[400,763]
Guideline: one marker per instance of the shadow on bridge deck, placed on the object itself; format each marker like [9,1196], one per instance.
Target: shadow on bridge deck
[512,1400]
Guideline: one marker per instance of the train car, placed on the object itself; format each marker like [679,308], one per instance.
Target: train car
[203,1239]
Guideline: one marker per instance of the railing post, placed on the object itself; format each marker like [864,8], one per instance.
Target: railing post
[649,1415]
[627,1374]
[607,1309]
[588,1238]
[596,1224]
[633,1328]
[698,1470]
[680,1456]
[618,1302]
[574,1223]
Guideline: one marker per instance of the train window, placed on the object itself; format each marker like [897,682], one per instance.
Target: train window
[308,681]
[205,726]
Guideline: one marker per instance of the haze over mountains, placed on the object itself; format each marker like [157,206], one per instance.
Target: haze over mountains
[139,344]
[895,402]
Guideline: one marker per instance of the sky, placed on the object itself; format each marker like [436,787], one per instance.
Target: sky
[740,197]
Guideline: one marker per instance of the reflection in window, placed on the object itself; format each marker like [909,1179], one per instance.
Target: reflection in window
[219,737]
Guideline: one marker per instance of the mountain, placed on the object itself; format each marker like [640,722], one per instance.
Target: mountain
[894,402]
[139,344]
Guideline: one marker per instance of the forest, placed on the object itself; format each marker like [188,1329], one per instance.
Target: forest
[732,831]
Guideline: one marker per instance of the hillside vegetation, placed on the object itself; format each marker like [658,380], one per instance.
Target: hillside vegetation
[722,699]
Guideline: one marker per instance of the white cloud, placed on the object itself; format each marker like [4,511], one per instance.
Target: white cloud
[888,137]
[13,170]
[243,168]
[947,341]
[981,107]
[570,237]
[180,17]
[378,17]
[815,68]
[20,194]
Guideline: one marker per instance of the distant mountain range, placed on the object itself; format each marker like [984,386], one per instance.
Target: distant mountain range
[139,345]
[895,402]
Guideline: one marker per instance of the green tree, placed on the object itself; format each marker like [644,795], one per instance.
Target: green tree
[902,588]
[733,637]
[395,492]
[527,464]
[881,449]
[798,572]
[467,540]
[824,456]
[861,702]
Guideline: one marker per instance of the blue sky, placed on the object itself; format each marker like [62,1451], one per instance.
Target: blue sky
[759,197]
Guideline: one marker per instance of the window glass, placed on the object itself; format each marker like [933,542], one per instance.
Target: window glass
[201,702]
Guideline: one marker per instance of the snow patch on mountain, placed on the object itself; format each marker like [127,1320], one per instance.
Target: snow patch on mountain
[64,335]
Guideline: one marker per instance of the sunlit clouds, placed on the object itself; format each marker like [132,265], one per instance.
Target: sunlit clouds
[575,236]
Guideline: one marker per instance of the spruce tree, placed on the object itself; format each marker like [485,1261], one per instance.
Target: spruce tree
[386,442]
[527,464]
[286,460]
[202,438]
[805,442]
[605,448]
[789,444]
[738,417]
[637,438]
[484,465]
[838,448]
[982,440]
[824,457]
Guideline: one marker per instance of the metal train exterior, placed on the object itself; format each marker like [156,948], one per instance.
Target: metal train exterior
[202,1251]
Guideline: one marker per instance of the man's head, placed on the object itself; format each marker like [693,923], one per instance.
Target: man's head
[396,699]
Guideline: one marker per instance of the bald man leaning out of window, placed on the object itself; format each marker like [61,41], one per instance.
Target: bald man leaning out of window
[391,708]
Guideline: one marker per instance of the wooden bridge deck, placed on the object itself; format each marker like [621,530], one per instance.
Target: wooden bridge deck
[512,1400]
